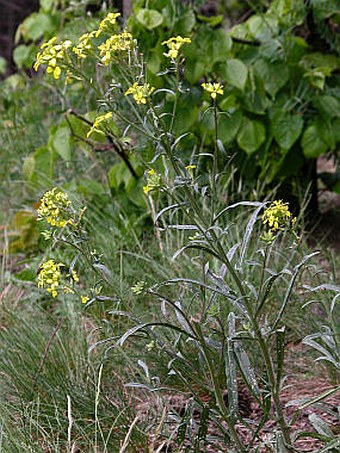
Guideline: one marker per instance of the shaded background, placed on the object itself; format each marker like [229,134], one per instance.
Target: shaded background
[13,12]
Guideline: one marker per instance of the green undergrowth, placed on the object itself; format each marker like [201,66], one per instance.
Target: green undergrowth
[55,394]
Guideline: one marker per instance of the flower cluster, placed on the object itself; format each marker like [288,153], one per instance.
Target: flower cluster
[56,208]
[174,44]
[50,276]
[53,55]
[108,23]
[213,88]
[116,43]
[99,122]
[84,45]
[153,181]
[276,216]
[140,93]
[139,287]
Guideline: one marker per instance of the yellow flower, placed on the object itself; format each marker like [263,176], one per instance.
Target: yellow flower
[49,277]
[213,88]
[116,43]
[153,181]
[107,24]
[276,216]
[140,92]
[97,122]
[74,276]
[54,56]
[84,299]
[139,287]
[174,44]
[84,45]
[56,208]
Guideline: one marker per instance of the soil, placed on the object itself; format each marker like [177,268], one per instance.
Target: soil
[305,381]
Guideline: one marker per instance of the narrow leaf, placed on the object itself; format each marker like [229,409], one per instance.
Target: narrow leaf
[230,368]
[247,235]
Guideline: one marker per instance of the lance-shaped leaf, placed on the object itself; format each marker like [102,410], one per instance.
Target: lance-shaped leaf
[290,287]
[230,368]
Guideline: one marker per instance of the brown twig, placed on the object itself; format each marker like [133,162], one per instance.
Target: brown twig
[47,349]
[114,145]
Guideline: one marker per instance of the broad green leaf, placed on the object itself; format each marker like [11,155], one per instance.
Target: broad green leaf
[195,66]
[60,140]
[208,47]
[150,18]
[286,128]
[154,61]
[251,135]
[262,27]
[187,111]
[228,104]
[185,24]
[327,63]
[312,144]
[322,9]
[328,105]
[35,26]
[326,132]
[40,174]
[336,130]
[221,45]
[229,125]
[289,12]
[47,5]
[317,78]
[274,75]
[236,73]
[23,56]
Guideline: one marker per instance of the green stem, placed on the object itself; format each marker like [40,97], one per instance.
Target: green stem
[214,169]
[218,393]
[174,109]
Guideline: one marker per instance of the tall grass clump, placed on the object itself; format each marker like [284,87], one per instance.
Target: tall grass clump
[55,395]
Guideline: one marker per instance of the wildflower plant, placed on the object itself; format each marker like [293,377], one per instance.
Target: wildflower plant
[56,208]
[66,228]
[54,56]
[214,329]
[140,93]
[276,216]
[49,277]
[213,89]
[174,45]
[153,181]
